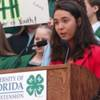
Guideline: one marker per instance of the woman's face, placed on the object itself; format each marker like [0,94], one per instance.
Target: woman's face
[65,25]
[41,34]
[91,10]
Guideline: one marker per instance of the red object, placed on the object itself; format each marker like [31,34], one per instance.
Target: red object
[90,62]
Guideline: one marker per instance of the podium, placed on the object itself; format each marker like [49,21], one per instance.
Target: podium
[66,81]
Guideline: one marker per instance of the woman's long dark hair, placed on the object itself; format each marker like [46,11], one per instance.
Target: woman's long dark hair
[83,38]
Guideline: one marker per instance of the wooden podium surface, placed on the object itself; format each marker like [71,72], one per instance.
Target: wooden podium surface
[66,82]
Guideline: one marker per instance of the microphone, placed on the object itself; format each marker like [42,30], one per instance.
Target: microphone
[66,47]
[66,56]
[38,44]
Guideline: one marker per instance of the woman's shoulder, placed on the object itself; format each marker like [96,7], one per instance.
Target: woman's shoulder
[95,48]
[95,51]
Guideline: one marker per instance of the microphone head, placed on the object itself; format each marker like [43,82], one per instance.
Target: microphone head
[41,43]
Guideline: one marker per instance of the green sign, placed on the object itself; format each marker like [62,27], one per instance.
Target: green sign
[35,85]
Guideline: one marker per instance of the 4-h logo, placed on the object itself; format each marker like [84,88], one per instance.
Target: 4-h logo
[35,85]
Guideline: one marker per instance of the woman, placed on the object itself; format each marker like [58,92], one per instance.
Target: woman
[93,12]
[43,32]
[72,38]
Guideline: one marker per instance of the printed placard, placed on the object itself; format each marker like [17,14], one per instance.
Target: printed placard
[23,12]
[30,85]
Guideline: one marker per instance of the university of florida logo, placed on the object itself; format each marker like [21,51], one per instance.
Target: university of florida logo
[35,85]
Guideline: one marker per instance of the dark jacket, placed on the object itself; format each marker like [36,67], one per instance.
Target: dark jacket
[19,42]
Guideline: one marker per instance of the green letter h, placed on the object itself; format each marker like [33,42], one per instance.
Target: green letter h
[13,7]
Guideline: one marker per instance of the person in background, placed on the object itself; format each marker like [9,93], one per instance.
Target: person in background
[50,23]
[93,12]
[72,39]
[23,39]
[42,55]
[8,58]
[6,53]
[5,48]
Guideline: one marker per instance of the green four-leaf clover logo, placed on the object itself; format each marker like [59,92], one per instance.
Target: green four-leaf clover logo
[35,85]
